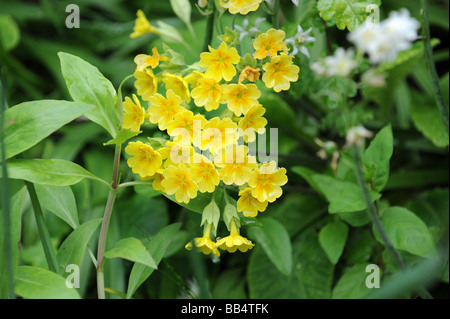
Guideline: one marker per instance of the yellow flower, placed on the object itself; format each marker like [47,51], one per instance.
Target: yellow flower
[146,83]
[158,177]
[240,97]
[193,77]
[249,205]
[144,60]
[204,244]
[142,26]
[145,161]
[176,83]
[205,174]
[266,181]
[234,241]
[280,72]
[179,181]
[252,122]
[134,114]
[186,127]
[269,44]
[240,6]
[220,62]
[236,166]
[175,153]
[207,93]
[218,133]
[248,73]
[162,110]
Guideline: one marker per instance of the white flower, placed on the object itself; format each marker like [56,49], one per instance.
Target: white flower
[299,41]
[356,136]
[295,2]
[382,42]
[341,64]
[202,3]
[247,30]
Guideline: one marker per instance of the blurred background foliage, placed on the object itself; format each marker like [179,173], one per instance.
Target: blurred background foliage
[32,32]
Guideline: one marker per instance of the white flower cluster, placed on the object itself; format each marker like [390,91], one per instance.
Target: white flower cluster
[383,41]
[341,64]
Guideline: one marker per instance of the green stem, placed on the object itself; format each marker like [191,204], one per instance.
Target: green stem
[276,14]
[209,25]
[42,228]
[440,101]
[105,224]
[376,221]
[5,198]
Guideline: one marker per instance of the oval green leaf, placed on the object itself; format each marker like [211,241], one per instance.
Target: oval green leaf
[38,283]
[132,249]
[30,122]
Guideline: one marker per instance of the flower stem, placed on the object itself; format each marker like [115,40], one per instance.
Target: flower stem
[276,14]
[440,101]
[376,221]
[105,224]
[209,25]
[5,198]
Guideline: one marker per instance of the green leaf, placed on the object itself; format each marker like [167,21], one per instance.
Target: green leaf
[157,248]
[377,156]
[30,122]
[86,84]
[344,197]
[407,231]
[275,241]
[73,249]
[9,33]
[131,249]
[182,9]
[352,284]
[50,172]
[332,238]
[311,276]
[38,283]
[427,119]
[60,201]
[17,202]
[122,137]
[347,13]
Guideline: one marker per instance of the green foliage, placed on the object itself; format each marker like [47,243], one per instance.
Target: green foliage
[347,14]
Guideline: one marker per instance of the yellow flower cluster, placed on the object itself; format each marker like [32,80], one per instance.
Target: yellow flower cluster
[206,151]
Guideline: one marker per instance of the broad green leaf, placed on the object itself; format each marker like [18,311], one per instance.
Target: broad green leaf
[332,238]
[182,9]
[377,156]
[73,249]
[311,276]
[38,283]
[86,84]
[9,33]
[230,285]
[344,197]
[427,119]
[60,201]
[347,13]
[131,249]
[30,122]
[16,204]
[407,231]
[352,284]
[122,137]
[157,248]
[50,172]
[275,241]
